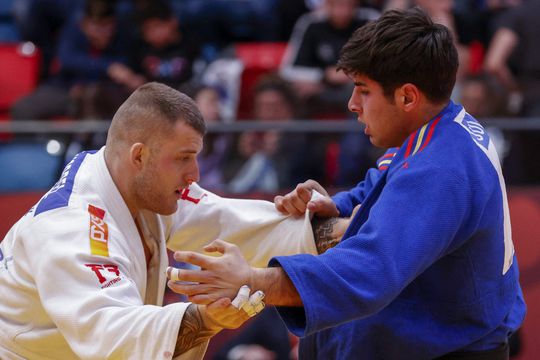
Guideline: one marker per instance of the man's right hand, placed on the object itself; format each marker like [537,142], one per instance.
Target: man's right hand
[201,322]
[221,314]
[300,199]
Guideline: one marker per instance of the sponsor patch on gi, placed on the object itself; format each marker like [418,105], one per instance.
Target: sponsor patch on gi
[99,232]
[107,274]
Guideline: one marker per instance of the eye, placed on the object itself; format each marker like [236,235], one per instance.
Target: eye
[184,158]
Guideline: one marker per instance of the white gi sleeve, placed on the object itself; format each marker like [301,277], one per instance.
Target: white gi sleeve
[255,226]
[95,301]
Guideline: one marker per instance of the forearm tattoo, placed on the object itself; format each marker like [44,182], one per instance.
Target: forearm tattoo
[192,331]
[323,229]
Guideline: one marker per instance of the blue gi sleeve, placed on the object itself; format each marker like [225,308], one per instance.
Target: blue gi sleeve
[418,215]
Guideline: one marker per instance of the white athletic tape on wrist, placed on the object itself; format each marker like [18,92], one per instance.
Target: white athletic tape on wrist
[242,297]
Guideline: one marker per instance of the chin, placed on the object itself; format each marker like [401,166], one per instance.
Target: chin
[376,142]
[168,210]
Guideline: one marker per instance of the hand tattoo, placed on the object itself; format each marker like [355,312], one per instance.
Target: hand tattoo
[323,231]
[192,331]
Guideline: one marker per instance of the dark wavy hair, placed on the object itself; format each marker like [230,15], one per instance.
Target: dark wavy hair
[404,47]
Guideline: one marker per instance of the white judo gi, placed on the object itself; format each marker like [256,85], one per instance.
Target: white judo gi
[73,276]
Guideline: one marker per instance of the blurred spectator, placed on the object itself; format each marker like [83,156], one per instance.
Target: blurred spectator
[216,145]
[163,52]
[356,156]
[514,59]
[222,22]
[482,100]
[88,46]
[312,53]
[289,11]
[271,160]
[41,21]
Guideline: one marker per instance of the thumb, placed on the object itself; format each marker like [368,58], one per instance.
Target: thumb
[323,206]
[221,303]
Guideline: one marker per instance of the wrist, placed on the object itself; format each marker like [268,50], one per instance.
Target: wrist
[253,276]
[208,323]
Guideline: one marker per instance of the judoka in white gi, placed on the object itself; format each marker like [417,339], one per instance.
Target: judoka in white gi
[83,273]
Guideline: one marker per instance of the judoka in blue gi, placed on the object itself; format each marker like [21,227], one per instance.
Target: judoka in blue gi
[427,267]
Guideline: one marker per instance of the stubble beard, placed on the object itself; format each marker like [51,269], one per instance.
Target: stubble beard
[148,193]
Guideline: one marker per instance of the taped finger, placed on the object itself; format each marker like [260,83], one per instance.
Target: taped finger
[252,309]
[256,297]
[173,273]
[242,297]
[255,304]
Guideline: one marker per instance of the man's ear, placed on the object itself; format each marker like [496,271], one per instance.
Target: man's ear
[407,97]
[137,155]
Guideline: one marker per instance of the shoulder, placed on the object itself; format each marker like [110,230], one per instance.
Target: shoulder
[460,147]
[57,223]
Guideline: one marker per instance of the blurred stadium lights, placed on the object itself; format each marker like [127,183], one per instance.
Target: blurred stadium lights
[54,147]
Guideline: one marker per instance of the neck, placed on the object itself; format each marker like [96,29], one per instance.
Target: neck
[426,113]
[121,179]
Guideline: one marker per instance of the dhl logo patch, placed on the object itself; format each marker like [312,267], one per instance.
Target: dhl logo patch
[99,232]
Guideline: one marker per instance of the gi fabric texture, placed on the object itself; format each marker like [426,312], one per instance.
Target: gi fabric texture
[427,265]
[74,282]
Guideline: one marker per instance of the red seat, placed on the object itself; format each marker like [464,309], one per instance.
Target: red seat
[20,64]
[258,59]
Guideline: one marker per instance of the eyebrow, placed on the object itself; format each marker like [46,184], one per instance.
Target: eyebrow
[186,151]
[359,83]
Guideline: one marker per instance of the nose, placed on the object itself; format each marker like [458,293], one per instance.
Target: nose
[193,174]
[355,104]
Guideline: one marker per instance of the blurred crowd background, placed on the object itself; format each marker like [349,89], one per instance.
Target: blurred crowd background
[248,64]
[258,61]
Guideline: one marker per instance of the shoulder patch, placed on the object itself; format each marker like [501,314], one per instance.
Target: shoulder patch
[99,232]
[58,196]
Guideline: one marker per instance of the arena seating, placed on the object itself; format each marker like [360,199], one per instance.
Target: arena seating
[258,59]
[20,63]
[27,167]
